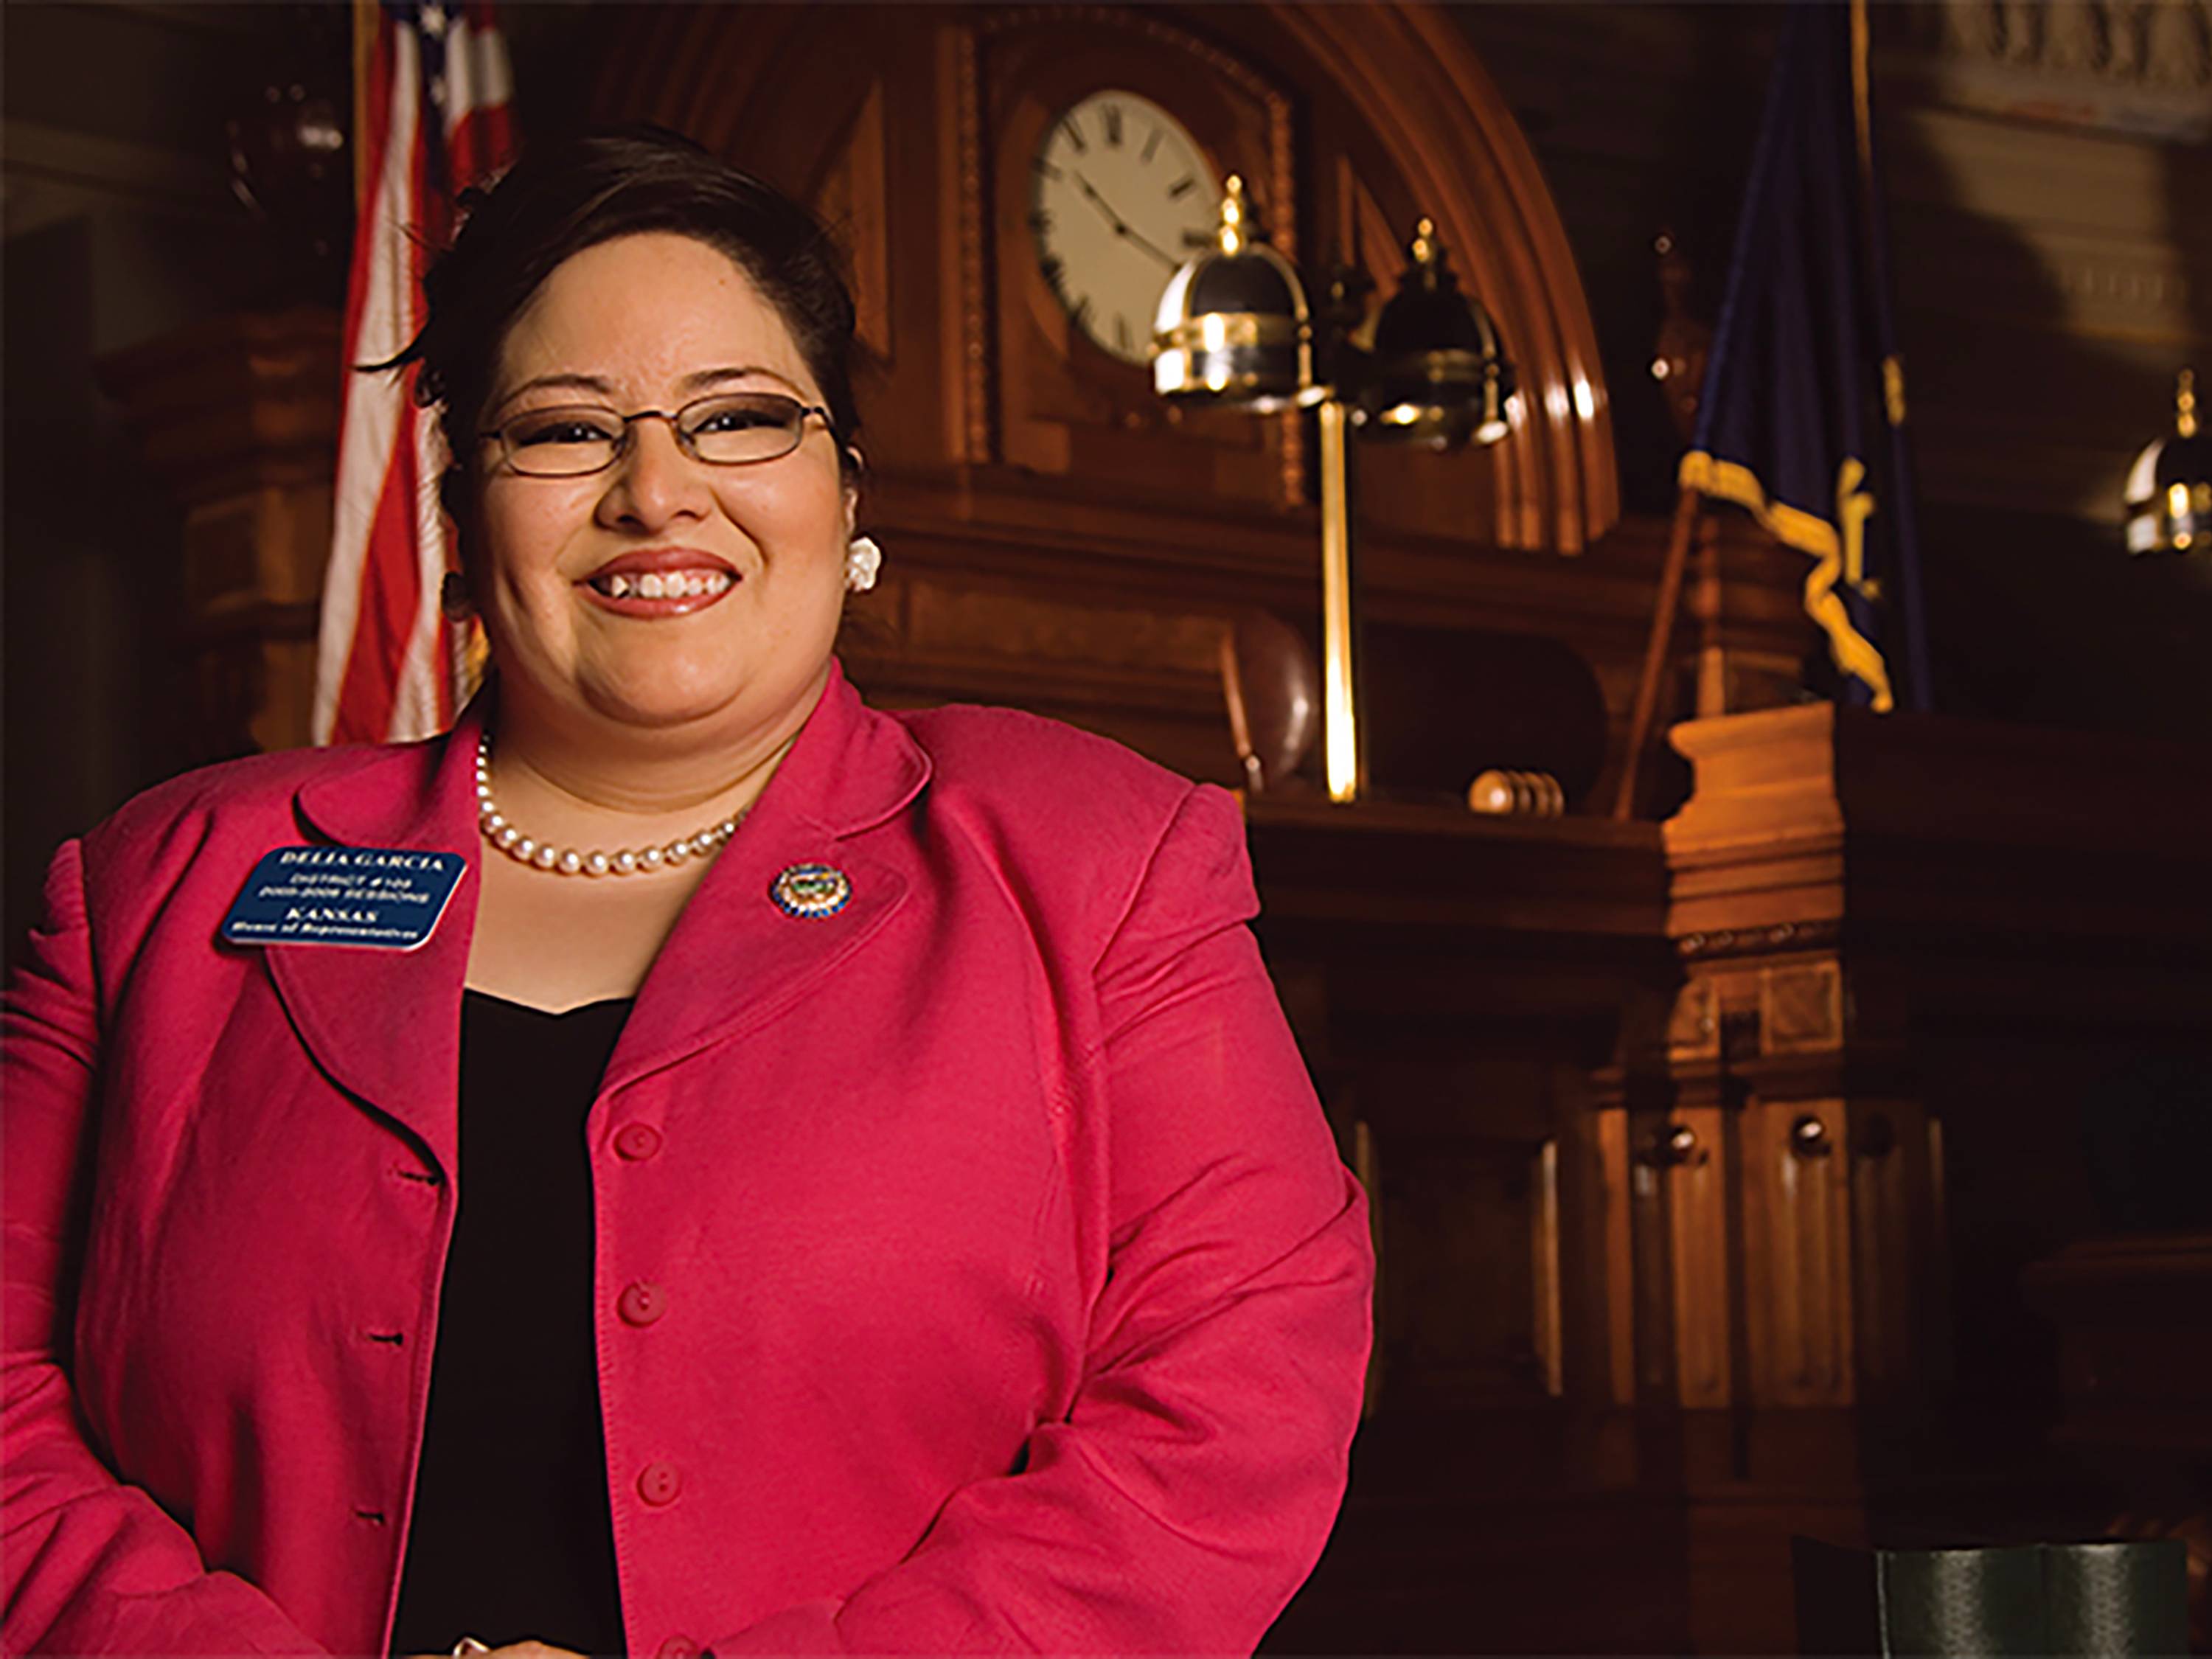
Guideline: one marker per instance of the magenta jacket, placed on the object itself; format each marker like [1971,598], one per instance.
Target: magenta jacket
[1015,1296]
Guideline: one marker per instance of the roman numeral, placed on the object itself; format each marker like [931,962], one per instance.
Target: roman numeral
[1114,125]
[1040,221]
[1075,136]
[1151,144]
[1183,186]
[1122,332]
[1082,312]
[1046,169]
[1198,239]
[1053,271]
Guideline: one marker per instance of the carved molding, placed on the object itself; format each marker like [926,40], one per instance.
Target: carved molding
[1417,83]
[1743,1010]
[2139,66]
[851,198]
[980,427]
[1819,934]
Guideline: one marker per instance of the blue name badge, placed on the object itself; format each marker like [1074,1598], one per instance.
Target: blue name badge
[384,899]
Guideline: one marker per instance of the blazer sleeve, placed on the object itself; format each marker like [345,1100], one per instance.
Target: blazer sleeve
[1188,1491]
[91,1565]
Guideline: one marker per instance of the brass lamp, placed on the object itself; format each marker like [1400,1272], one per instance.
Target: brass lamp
[1436,374]
[2169,494]
[1234,329]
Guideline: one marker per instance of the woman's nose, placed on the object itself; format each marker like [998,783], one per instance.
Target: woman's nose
[654,481]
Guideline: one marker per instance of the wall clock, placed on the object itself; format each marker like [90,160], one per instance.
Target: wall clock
[1094,141]
[1120,195]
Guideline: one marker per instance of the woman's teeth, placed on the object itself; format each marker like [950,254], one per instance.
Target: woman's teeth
[669,584]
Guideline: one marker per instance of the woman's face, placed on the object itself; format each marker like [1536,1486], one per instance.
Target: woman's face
[657,321]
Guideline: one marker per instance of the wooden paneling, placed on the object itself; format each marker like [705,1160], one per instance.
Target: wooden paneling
[1615,1196]
[1901,1264]
[1797,1250]
[1469,1314]
[240,417]
[1692,1161]
[852,198]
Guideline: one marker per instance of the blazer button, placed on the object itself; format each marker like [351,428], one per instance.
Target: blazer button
[658,1483]
[637,1140]
[678,1647]
[641,1303]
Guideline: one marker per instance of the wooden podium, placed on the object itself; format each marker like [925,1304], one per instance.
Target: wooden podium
[1799,1083]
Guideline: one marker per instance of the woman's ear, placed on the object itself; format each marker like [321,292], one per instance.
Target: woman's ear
[453,595]
[453,600]
[853,490]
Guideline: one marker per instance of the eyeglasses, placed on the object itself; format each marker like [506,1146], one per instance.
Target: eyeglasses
[736,428]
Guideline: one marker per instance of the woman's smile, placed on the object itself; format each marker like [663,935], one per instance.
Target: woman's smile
[660,581]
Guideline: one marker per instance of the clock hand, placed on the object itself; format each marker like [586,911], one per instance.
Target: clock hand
[1122,227]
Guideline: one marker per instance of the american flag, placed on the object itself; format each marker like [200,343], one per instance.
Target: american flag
[431,88]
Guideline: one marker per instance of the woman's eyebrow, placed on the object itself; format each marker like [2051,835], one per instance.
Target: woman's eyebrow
[698,380]
[707,377]
[541,382]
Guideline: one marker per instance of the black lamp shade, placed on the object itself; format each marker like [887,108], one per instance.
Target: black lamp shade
[1233,326]
[2169,493]
[1437,373]
[2169,497]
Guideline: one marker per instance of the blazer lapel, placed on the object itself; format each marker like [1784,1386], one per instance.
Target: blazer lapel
[386,1025]
[735,959]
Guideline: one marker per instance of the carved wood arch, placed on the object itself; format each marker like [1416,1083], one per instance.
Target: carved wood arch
[1418,83]
[1436,132]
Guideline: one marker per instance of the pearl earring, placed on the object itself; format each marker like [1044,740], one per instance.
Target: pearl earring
[862,559]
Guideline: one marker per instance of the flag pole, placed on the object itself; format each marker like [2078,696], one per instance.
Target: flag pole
[1918,680]
[1664,616]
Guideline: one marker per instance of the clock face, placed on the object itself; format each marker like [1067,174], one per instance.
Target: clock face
[1120,195]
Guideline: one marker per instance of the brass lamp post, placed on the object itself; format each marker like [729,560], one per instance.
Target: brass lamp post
[1234,329]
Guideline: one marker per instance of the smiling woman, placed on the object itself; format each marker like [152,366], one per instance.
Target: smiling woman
[661,624]
[654,482]
[897,1218]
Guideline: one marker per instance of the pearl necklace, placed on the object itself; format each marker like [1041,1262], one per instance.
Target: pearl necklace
[566,860]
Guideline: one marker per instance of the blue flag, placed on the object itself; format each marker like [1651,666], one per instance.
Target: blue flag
[1802,418]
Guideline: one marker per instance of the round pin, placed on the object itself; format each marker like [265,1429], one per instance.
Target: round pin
[811,890]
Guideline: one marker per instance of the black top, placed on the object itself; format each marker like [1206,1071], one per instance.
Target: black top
[512,1538]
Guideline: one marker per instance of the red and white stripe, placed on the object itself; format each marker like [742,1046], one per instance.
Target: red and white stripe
[387,662]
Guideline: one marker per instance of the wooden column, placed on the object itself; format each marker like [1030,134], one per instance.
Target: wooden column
[1814,1184]
[240,417]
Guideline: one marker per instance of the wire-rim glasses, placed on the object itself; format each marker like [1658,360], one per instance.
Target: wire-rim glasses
[731,429]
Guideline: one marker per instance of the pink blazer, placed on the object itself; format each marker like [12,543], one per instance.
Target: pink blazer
[1017,1297]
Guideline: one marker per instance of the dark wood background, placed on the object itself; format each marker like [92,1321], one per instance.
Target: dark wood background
[1800,1155]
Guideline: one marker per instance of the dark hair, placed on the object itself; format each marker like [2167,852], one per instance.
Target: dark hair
[577,192]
